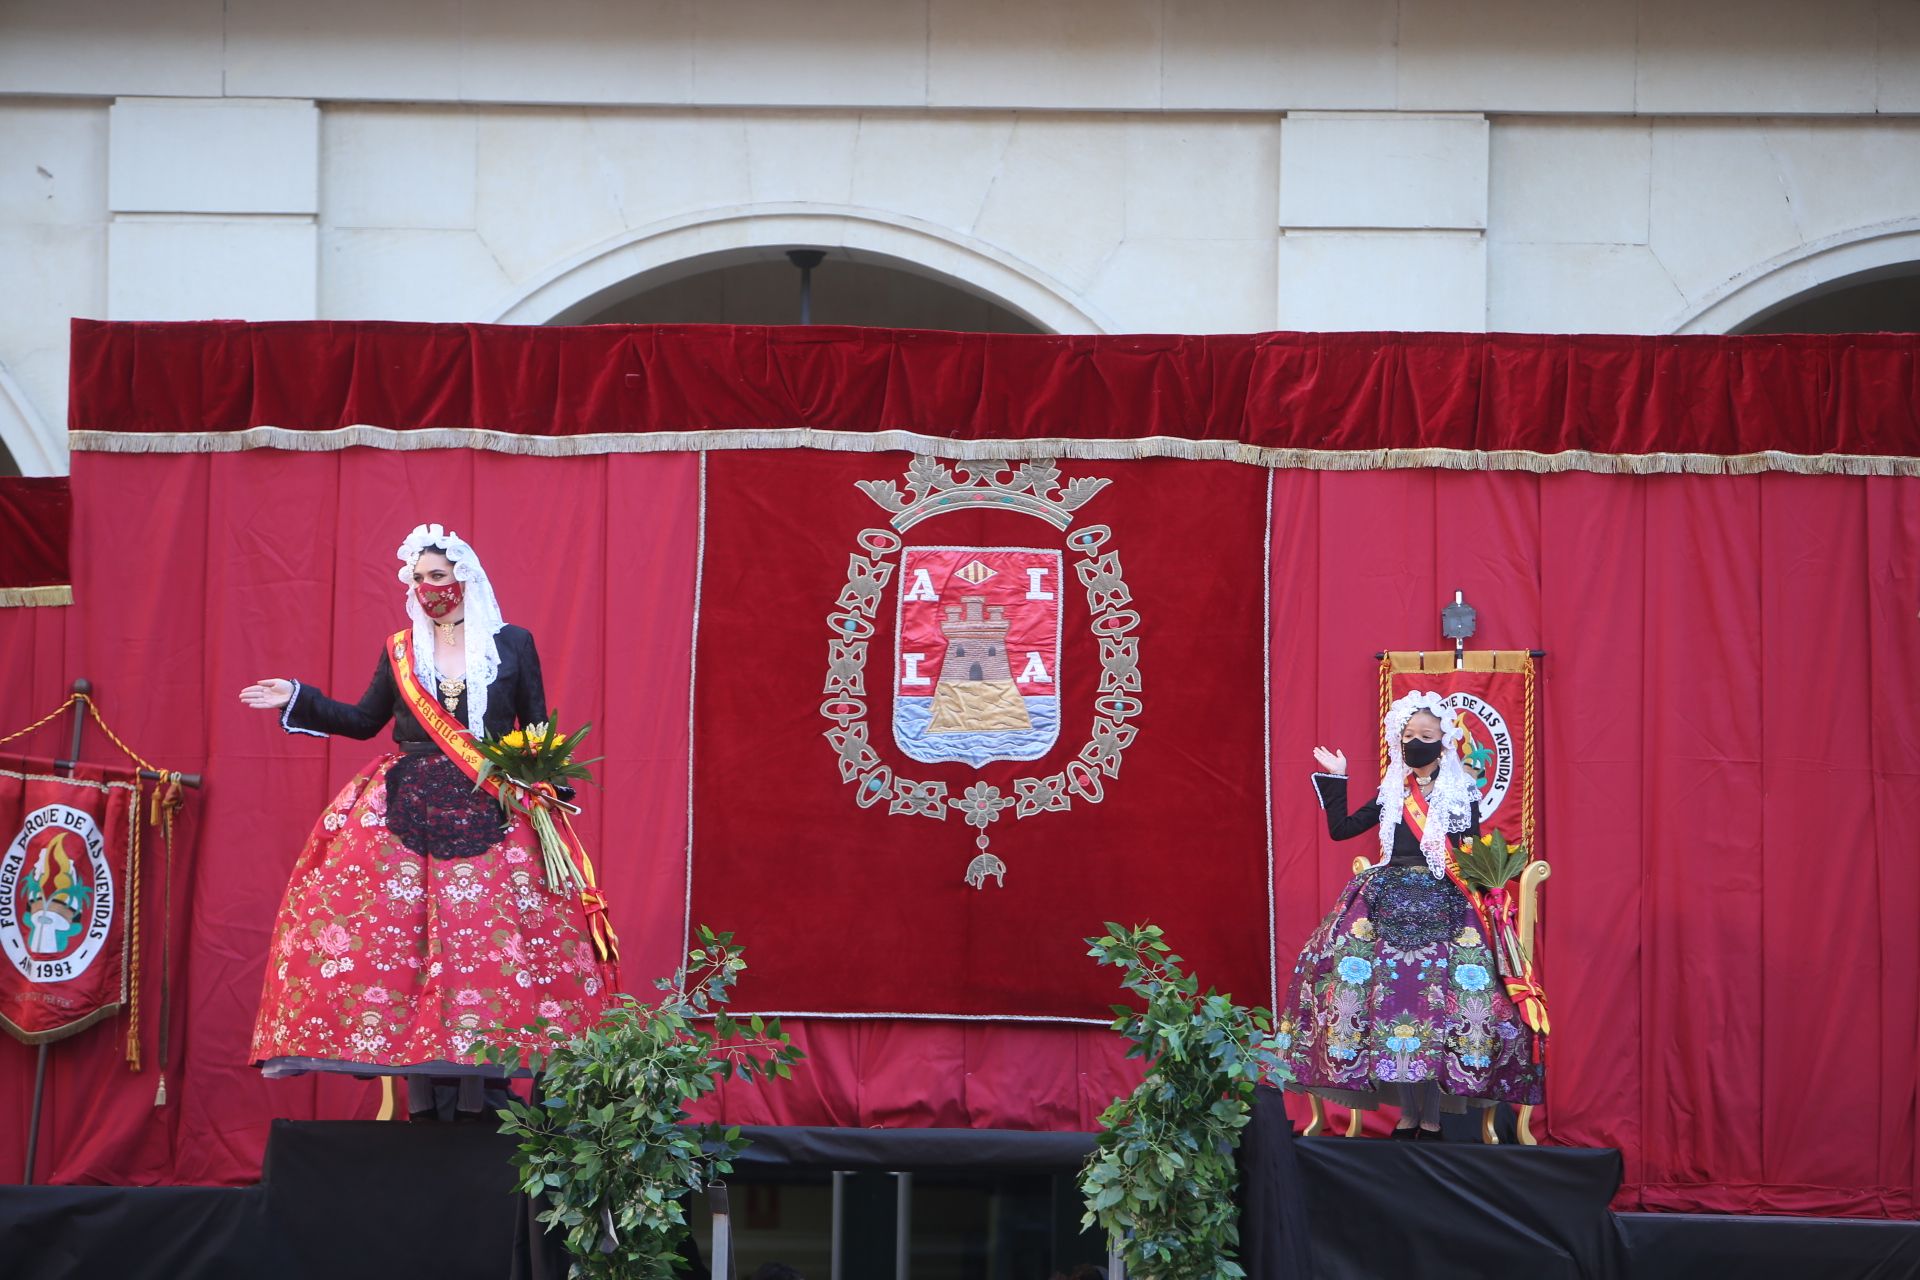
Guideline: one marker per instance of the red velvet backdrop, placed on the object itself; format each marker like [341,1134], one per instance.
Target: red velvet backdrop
[1728,756]
[36,514]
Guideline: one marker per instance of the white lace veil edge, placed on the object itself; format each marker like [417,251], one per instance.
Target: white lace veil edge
[1450,807]
[483,618]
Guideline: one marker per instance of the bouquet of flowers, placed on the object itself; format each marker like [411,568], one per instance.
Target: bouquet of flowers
[1489,862]
[530,766]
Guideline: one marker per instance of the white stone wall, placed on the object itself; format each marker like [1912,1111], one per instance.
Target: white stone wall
[1611,57]
[1679,224]
[1093,165]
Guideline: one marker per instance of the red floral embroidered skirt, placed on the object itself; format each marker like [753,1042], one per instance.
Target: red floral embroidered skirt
[385,959]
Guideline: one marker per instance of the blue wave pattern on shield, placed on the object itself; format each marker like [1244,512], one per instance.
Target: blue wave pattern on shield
[976,669]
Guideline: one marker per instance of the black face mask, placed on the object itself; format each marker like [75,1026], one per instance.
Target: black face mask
[1420,753]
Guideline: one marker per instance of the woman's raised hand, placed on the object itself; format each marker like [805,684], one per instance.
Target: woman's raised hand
[268,695]
[1331,761]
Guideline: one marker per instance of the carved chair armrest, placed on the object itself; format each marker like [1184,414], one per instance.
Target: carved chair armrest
[1531,879]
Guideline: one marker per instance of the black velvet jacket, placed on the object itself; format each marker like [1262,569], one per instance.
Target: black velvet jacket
[516,694]
[432,807]
[1342,825]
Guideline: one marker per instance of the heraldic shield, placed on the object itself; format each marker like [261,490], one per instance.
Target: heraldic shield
[977,663]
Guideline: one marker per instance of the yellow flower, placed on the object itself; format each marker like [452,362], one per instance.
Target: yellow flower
[1468,937]
[1361,928]
[515,739]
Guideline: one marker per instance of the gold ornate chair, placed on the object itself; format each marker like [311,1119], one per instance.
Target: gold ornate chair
[1531,879]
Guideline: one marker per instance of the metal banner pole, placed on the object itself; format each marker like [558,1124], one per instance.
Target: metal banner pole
[33,1126]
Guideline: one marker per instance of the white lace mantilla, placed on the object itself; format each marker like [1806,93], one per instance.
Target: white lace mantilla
[1449,807]
[483,619]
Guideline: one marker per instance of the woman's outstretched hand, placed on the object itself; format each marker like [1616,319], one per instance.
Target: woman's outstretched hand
[268,695]
[1331,761]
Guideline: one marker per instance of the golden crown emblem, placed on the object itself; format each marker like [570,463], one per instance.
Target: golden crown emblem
[934,488]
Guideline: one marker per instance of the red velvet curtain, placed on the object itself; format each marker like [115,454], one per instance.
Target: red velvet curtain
[1727,764]
[36,514]
[1847,395]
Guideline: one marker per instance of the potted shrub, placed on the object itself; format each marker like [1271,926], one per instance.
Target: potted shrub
[1161,1177]
[606,1145]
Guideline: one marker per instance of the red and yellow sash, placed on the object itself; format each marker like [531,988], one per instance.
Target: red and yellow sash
[1416,807]
[1496,914]
[1515,968]
[453,738]
[447,733]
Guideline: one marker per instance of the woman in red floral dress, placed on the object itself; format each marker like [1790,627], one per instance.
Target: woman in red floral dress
[418,920]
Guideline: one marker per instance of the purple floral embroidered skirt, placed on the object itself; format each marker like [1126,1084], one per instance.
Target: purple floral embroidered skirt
[1397,986]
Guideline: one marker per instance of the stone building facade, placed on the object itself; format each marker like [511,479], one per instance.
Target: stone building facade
[1072,166]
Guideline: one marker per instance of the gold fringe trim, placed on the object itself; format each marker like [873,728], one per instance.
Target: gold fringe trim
[33,597]
[368,437]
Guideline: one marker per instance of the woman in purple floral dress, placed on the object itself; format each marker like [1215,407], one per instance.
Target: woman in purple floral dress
[1396,997]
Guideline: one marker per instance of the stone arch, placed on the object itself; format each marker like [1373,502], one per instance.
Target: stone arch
[1817,267]
[34,449]
[658,254]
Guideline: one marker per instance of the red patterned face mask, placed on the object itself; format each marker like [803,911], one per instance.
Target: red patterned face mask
[439,601]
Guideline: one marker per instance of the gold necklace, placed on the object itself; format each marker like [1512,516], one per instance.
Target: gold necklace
[452,686]
[447,629]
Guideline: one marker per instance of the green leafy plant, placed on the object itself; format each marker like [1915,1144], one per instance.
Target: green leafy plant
[607,1145]
[1489,862]
[1161,1177]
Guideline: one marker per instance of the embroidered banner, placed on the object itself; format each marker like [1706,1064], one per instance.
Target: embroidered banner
[1492,700]
[948,718]
[64,882]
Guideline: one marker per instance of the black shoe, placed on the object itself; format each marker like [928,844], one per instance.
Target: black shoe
[1431,1135]
[1406,1134]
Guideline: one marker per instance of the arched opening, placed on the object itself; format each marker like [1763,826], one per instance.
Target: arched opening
[1858,281]
[588,285]
[27,447]
[760,286]
[1886,300]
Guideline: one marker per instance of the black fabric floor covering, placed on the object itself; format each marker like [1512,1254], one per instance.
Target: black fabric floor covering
[425,1201]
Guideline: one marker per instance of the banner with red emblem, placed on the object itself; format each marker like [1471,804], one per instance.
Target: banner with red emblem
[66,873]
[1492,697]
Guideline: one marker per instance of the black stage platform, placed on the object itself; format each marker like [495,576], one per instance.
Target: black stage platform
[426,1201]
